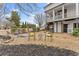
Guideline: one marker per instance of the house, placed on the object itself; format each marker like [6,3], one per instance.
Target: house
[62,17]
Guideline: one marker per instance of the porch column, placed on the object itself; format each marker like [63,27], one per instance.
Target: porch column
[46,18]
[61,26]
[53,15]
[63,11]
[54,26]
[62,18]
[77,10]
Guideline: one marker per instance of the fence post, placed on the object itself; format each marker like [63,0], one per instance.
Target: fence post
[45,35]
[28,33]
[51,37]
[34,36]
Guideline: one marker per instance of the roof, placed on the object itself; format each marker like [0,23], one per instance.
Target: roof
[54,6]
[48,5]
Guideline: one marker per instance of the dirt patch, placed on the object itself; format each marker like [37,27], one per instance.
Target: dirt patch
[34,50]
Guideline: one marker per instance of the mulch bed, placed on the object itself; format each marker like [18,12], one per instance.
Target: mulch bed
[34,50]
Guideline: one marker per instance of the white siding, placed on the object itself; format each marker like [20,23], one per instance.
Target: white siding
[70,24]
[70,27]
[71,10]
[78,8]
[50,19]
[71,14]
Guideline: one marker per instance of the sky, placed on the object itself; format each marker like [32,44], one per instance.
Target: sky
[12,6]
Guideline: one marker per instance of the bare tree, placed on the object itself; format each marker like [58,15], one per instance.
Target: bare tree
[27,8]
[40,19]
[24,8]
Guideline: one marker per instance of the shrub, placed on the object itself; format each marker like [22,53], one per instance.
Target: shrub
[13,30]
[76,32]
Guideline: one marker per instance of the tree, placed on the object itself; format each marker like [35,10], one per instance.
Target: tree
[33,26]
[40,19]
[24,8]
[24,25]
[15,18]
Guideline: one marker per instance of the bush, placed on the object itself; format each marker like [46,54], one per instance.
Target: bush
[13,30]
[76,32]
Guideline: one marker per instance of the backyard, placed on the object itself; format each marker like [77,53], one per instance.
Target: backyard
[58,44]
[28,30]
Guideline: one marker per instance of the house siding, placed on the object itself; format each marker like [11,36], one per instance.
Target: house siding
[72,15]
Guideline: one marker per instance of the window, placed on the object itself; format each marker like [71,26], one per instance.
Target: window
[59,12]
[65,13]
[51,14]
[65,10]
[78,25]
[74,25]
